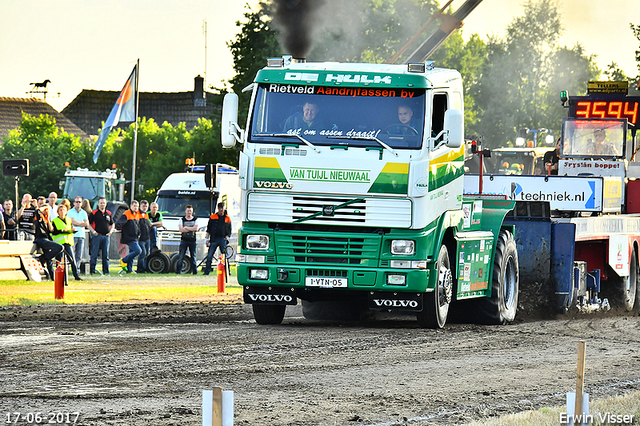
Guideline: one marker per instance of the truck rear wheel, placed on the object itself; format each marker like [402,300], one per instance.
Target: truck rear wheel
[436,303]
[501,307]
[268,314]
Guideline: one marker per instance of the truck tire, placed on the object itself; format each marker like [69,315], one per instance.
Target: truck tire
[185,268]
[625,290]
[117,208]
[502,306]
[158,263]
[333,310]
[636,305]
[268,314]
[436,303]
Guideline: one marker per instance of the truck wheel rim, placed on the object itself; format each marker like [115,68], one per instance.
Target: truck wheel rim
[509,282]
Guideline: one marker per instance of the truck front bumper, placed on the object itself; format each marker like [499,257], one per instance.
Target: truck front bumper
[335,277]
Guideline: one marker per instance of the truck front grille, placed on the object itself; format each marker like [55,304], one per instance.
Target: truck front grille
[329,248]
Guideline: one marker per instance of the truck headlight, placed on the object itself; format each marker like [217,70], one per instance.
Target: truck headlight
[396,279]
[404,247]
[257,242]
[259,274]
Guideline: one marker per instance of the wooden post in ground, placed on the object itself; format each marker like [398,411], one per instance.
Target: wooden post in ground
[580,382]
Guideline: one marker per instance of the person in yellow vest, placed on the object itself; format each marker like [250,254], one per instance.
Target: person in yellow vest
[63,234]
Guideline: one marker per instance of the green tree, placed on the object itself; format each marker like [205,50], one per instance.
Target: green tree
[39,140]
[519,83]
[256,42]
[634,83]
[468,58]
[370,31]
[162,150]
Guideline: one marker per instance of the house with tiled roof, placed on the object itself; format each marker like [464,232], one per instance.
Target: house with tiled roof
[11,110]
[92,107]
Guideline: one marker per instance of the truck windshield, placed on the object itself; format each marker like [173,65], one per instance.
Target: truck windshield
[174,204]
[348,116]
[593,138]
[85,187]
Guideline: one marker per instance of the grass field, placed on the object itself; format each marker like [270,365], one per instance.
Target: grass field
[117,288]
[617,406]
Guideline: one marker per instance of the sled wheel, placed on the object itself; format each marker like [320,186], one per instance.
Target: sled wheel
[626,288]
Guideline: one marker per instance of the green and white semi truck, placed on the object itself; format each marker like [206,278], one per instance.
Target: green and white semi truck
[352,197]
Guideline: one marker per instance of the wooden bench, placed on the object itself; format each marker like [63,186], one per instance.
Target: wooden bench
[12,265]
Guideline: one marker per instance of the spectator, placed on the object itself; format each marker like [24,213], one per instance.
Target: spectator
[9,220]
[155,217]
[218,233]
[86,206]
[80,221]
[145,237]
[53,210]
[129,223]
[50,249]
[2,224]
[26,216]
[101,229]
[63,234]
[188,226]
[42,201]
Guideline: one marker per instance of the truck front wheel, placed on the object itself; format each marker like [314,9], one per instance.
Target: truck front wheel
[436,303]
[501,307]
[268,314]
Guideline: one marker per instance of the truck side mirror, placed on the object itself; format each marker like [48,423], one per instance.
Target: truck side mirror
[454,124]
[231,132]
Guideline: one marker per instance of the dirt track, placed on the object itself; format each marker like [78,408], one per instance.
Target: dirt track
[147,364]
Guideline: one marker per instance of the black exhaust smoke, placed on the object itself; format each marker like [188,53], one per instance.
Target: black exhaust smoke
[298,21]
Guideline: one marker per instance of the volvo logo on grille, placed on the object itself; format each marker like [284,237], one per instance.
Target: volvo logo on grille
[328,210]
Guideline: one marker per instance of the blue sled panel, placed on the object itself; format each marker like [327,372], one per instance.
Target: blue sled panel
[545,256]
[563,247]
[533,241]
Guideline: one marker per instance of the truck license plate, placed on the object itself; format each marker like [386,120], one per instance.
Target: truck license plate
[325,282]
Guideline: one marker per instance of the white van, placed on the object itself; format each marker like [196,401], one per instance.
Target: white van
[182,189]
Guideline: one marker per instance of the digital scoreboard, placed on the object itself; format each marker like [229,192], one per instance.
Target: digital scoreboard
[605,99]
[605,107]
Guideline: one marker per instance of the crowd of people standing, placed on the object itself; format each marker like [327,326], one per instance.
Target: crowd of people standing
[60,229]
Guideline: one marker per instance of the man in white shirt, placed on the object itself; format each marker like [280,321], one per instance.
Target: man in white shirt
[80,221]
[53,209]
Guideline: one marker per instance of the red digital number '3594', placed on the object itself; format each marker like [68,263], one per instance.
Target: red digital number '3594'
[608,109]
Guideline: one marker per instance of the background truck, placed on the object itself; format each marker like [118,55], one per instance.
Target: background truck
[580,230]
[95,184]
[358,210]
[191,187]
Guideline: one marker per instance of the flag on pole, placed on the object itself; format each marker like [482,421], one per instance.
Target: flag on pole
[123,110]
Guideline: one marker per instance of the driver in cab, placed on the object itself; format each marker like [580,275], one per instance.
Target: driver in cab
[407,125]
[308,120]
[601,146]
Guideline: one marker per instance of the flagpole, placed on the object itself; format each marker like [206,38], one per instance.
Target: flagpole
[135,136]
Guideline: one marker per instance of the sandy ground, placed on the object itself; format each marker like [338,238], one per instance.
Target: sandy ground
[147,364]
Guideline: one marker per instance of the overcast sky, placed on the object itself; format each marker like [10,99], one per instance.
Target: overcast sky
[93,44]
